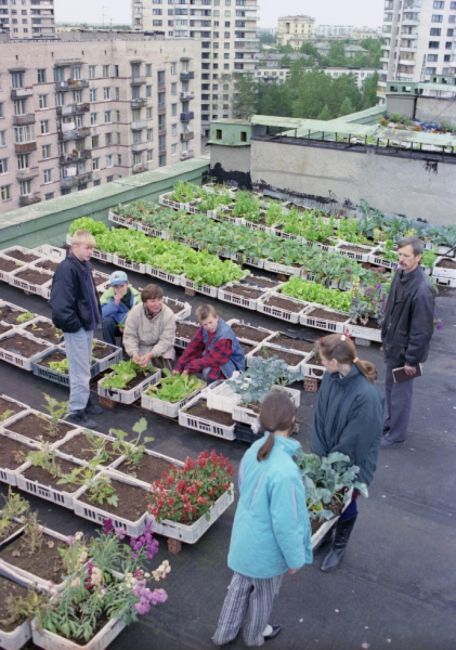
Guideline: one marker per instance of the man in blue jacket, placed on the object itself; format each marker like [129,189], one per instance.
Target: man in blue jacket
[76,311]
[116,303]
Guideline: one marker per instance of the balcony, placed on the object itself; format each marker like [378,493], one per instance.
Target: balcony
[72,109]
[138,168]
[71,84]
[161,109]
[29,199]
[186,136]
[74,134]
[138,102]
[187,116]
[137,125]
[187,76]
[27,174]
[162,130]
[23,120]
[25,147]
[74,181]
[137,147]
[21,93]
[137,81]
[161,87]
[186,96]
[185,155]
[74,156]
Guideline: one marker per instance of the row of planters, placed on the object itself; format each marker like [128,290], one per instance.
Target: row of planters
[68,592]
[139,245]
[370,227]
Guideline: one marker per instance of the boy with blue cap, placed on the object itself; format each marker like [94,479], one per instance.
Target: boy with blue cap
[116,303]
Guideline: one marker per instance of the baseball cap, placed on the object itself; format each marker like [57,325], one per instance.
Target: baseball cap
[118,277]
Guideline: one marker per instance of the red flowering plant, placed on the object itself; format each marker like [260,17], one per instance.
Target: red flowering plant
[185,494]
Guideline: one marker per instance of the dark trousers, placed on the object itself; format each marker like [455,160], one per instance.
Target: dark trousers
[398,405]
[110,330]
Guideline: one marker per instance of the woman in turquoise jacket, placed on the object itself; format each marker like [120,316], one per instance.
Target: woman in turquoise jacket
[271,531]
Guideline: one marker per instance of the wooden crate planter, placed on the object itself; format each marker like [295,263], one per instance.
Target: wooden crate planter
[104,637]
[191,533]
[202,424]
[124,395]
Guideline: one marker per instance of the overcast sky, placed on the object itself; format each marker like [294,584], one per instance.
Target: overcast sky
[331,12]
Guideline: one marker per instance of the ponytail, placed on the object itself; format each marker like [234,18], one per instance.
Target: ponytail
[277,413]
[266,447]
[367,369]
[342,349]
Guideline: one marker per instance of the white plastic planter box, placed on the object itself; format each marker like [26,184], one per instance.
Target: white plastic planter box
[165,200]
[226,295]
[113,355]
[152,231]
[361,255]
[270,346]
[15,358]
[184,311]
[97,515]
[171,278]
[204,425]
[15,308]
[368,333]
[267,333]
[9,476]
[205,289]
[126,222]
[17,638]
[246,415]
[22,249]
[79,461]
[116,469]
[221,396]
[256,262]
[5,276]
[170,409]
[445,281]
[50,641]
[322,323]
[54,253]
[11,418]
[376,257]
[124,396]
[42,290]
[281,312]
[441,272]
[181,341]
[125,263]
[284,269]
[60,496]
[191,533]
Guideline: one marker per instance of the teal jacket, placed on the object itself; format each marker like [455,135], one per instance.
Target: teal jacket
[271,530]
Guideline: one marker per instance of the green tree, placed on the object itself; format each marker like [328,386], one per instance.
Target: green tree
[370,91]
[346,107]
[245,96]
[266,38]
[325,113]
[336,55]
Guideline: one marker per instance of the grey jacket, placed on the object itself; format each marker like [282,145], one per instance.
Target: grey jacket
[408,324]
[142,334]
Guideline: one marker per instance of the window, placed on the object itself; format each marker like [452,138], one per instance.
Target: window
[452,5]
[107,117]
[174,88]
[108,139]
[433,45]
[438,4]
[109,162]
[17,79]
[44,126]
[24,134]
[218,134]
[47,176]
[95,164]
[76,72]
[60,99]
[3,165]
[174,129]
[148,91]
[435,31]
[41,75]
[23,161]
[92,71]
[19,107]
[149,155]
[119,159]
[96,182]
[5,193]
[93,119]
[42,101]
[243,136]
[48,196]
[149,113]
[1,109]
[117,92]
[437,18]
[173,68]
[95,141]
[2,138]
[106,92]
[46,151]
[174,110]
[432,57]
[105,71]
[174,149]
[148,69]
[116,71]
[109,179]
[93,94]
[25,187]
[149,135]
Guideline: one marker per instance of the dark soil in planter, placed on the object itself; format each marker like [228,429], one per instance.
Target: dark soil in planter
[289,358]
[7,405]
[33,276]
[22,345]
[99,279]
[328,315]
[45,478]
[8,265]
[200,410]
[46,331]
[132,501]
[49,265]
[246,292]
[8,589]
[447,263]
[9,315]
[80,448]
[4,328]
[371,322]
[45,562]
[246,347]
[335,507]
[257,281]
[12,528]
[133,382]
[13,453]
[249,332]
[282,303]
[56,355]
[36,427]
[293,344]
[149,469]
[354,249]
[101,350]
[185,330]
[23,257]
[174,307]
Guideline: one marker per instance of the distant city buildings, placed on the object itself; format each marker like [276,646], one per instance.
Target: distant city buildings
[295,30]
[227,32]
[346,31]
[27,18]
[94,107]
[419,40]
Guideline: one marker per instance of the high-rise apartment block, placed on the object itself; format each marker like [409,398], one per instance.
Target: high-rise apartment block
[419,40]
[92,107]
[227,30]
[27,18]
[295,30]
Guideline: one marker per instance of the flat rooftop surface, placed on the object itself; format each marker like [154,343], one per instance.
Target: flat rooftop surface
[396,588]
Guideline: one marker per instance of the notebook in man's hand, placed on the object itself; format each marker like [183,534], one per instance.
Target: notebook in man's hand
[399,374]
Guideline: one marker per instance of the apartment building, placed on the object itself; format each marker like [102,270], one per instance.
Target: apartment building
[346,31]
[419,40]
[295,30]
[227,30]
[89,108]
[27,18]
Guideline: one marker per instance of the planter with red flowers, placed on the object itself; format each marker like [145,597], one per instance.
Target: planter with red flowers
[188,500]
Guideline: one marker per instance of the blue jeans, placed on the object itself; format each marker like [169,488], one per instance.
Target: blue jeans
[78,347]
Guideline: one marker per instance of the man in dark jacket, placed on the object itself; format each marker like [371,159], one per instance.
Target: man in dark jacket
[406,333]
[76,311]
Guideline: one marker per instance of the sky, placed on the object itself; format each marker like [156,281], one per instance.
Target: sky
[327,12]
